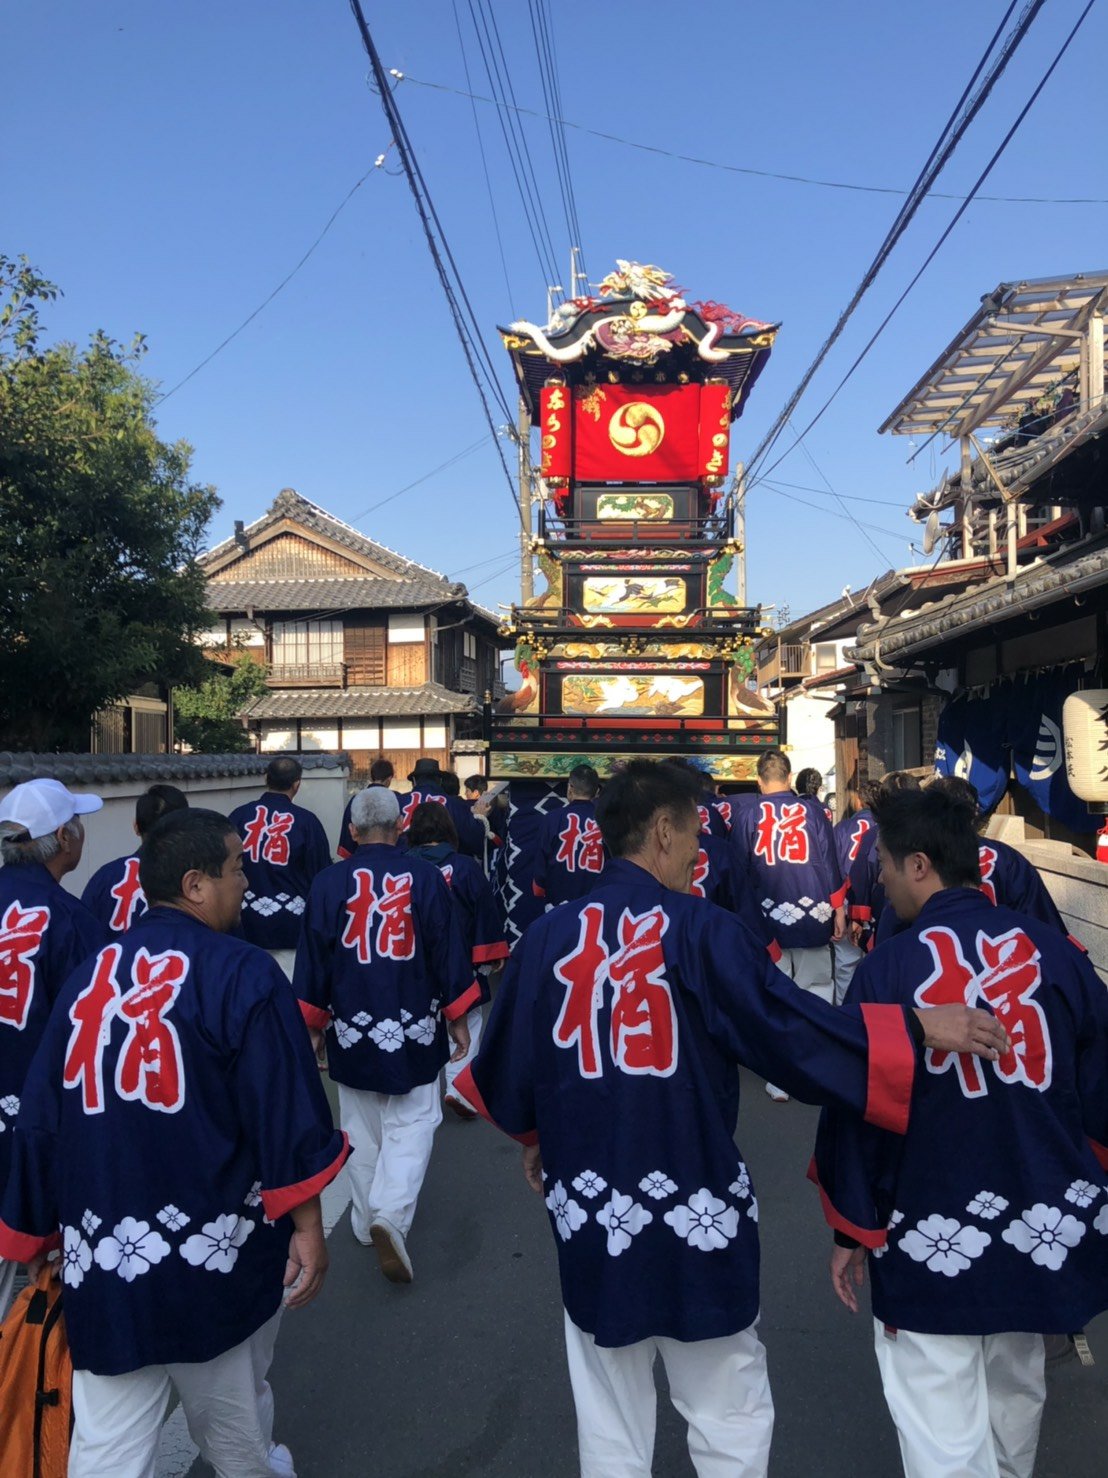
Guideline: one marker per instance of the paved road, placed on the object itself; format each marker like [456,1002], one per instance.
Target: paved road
[463,1373]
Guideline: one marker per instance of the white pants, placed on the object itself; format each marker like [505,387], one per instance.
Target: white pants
[391,1135]
[965,1406]
[286,958]
[227,1403]
[719,1386]
[475,1021]
[810,969]
[8,1270]
[847,956]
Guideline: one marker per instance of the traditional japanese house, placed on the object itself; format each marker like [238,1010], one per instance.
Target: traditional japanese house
[366,650]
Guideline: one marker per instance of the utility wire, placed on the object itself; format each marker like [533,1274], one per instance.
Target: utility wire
[281,285]
[457,457]
[958,214]
[469,335]
[548,77]
[802,487]
[763,174]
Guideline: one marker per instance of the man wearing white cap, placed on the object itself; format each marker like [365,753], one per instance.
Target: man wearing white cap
[45,933]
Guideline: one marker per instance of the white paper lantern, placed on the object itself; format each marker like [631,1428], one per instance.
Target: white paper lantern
[1085,733]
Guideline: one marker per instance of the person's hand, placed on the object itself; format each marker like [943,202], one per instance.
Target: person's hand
[459,1032]
[856,931]
[36,1265]
[307,1264]
[838,929]
[963,1029]
[848,1273]
[532,1167]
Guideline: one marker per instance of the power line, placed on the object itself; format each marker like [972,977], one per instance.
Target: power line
[378,162]
[548,78]
[469,335]
[764,174]
[849,517]
[457,457]
[1005,141]
[802,487]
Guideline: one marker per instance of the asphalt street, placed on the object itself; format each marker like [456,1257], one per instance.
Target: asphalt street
[463,1372]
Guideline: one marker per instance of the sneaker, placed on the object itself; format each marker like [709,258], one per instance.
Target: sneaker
[776,1094]
[392,1254]
[361,1241]
[460,1107]
[280,1460]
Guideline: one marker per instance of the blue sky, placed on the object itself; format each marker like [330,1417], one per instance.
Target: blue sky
[177,160]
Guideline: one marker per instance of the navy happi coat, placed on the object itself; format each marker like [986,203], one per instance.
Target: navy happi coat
[720,879]
[472,896]
[471,830]
[284,847]
[45,933]
[381,966]
[114,896]
[787,848]
[991,1214]
[615,1040]
[569,854]
[172,1116]
[715,813]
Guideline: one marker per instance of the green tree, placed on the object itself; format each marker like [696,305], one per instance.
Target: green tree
[100,528]
[205,712]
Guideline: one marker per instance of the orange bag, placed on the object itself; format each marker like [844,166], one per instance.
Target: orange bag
[36,1383]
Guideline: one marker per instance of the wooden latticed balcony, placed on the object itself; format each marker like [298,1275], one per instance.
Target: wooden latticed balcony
[783,662]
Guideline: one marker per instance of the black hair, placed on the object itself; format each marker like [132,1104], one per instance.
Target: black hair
[283,772]
[381,771]
[808,782]
[774,765]
[584,781]
[159,800]
[630,801]
[868,791]
[940,825]
[193,840]
[895,781]
[960,790]
[478,783]
[431,823]
[449,783]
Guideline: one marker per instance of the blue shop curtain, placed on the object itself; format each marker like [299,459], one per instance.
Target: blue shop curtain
[972,742]
[1038,752]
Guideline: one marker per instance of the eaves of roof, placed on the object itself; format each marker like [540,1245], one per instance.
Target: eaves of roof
[431,700]
[342,593]
[104,769]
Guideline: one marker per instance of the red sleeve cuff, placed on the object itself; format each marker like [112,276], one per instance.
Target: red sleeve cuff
[892,1067]
[774,950]
[538,890]
[22,1247]
[465,1002]
[465,1086]
[485,954]
[1077,944]
[1101,1152]
[344,853]
[315,1015]
[838,898]
[860,913]
[280,1202]
[839,1223]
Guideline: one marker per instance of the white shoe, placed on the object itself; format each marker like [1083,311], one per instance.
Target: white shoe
[776,1094]
[388,1241]
[280,1460]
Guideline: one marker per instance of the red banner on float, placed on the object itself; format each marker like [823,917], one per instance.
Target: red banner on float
[715,432]
[636,433]
[556,430]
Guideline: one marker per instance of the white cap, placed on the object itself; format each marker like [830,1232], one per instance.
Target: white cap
[39,807]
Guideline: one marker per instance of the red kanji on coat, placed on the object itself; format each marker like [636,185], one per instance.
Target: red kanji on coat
[569,839]
[21,934]
[150,1069]
[1010,978]
[128,895]
[724,809]
[583,971]
[590,854]
[417,798]
[267,836]
[92,1014]
[705,818]
[953,982]
[987,860]
[700,875]
[861,826]
[396,932]
[644,1022]
[781,836]
[359,915]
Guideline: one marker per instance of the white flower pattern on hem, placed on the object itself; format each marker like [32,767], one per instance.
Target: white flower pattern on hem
[253,1196]
[216,1246]
[1082,1193]
[131,1249]
[706,1223]
[389,1035]
[890,1226]
[1101,1222]
[76,1257]
[422,1031]
[568,1216]
[740,1186]
[988,1205]
[345,1034]
[1047,1233]
[588,1183]
[624,1219]
[752,1209]
[944,1245]
[657,1185]
[172,1219]
[363,1018]
[10,1104]
[89,1222]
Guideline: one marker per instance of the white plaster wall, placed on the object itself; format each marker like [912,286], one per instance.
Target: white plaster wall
[811,733]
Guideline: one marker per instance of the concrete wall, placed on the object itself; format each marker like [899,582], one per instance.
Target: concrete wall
[811,736]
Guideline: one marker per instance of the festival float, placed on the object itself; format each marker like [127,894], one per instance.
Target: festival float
[636,647]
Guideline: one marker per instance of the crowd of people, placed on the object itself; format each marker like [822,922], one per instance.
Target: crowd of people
[161,1041]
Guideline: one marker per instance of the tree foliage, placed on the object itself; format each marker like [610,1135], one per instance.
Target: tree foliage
[100,528]
[205,711]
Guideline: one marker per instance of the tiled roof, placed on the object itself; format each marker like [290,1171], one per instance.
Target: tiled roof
[356,703]
[102,769]
[338,594]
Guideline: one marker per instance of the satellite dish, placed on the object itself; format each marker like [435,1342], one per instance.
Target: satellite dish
[931,532]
